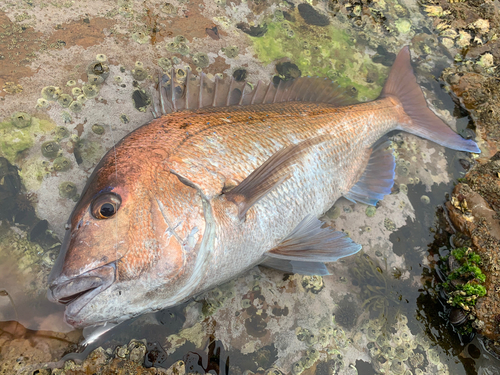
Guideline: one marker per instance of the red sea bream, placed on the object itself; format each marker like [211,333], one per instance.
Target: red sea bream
[227,179]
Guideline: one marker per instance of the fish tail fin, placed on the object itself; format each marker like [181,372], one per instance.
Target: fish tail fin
[420,120]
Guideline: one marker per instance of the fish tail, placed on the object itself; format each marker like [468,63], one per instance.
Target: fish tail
[419,119]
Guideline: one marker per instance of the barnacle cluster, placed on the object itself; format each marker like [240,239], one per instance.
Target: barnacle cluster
[216,297]
[178,45]
[398,351]
[313,284]
[329,341]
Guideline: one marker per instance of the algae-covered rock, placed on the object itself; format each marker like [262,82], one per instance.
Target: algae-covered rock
[474,209]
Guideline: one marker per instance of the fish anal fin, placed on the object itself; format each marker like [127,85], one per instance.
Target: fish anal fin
[377,179]
[311,242]
[293,266]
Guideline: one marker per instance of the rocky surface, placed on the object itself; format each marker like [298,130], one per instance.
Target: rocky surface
[474,209]
[75,78]
[470,30]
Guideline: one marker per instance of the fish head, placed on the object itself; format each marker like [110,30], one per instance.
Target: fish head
[130,246]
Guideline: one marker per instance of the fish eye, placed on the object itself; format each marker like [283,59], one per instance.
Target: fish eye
[105,206]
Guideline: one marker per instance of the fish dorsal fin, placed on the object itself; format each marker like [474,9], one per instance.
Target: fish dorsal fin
[181,90]
[310,242]
[377,179]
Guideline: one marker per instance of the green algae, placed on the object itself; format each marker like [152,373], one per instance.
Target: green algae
[324,52]
[14,140]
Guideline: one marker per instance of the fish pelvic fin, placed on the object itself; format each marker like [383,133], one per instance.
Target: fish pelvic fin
[402,85]
[311,242]
[378,177]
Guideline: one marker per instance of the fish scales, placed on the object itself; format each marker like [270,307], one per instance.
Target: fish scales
[317,183]
[196,197]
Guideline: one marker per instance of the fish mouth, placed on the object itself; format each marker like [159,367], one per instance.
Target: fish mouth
[77,292]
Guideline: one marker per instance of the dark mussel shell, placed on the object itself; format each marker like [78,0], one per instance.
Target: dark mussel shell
[458,316]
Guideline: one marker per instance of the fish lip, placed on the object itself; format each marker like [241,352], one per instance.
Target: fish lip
[78,291]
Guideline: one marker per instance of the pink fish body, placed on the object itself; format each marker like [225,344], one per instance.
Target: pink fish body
[194,198]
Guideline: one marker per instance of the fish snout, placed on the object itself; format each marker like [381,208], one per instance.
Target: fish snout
[78,291]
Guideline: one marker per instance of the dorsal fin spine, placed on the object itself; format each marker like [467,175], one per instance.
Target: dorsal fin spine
[277,91]
[267,92]
[200,94]
[243,93]
[214,101]
[229,92]
[188,78]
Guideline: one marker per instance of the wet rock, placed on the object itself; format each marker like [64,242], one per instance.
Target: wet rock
[311,16]
[256,31]
[240,75]
[213,32]
[141,100]
[347,312]
[474,210]
[288,70]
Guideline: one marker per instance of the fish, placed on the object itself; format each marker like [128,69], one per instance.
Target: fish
[227,177]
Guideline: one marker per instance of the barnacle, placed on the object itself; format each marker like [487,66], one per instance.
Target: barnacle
[183,49]
[98,68]
[201,60]
[62,164]
[171,46]
[76,91]
[180,39]
[297,368]
[76,106]
[425,199]
[66,117]
[168,8]
[42,103]
[164,63]
[21,119]
[65,100]
[140,37]
[67,190]
[370,211]
[95,80]
[313,284]
[140,74]
[50,149]
[62,132]
[98,129]
[231,52]
[51,93]
[90,91]
[101,57]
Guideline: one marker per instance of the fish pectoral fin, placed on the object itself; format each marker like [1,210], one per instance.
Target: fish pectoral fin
[310,242]
[294,266]
[377,179]
[265,178]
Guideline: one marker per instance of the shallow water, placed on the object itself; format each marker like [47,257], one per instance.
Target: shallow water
[263,319]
